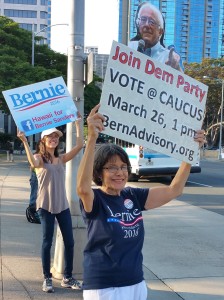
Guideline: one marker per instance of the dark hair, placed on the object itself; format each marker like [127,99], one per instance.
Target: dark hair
[138,35]
[102,155]
[37,147]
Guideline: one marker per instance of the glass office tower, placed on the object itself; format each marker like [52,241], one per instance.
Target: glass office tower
[195,27]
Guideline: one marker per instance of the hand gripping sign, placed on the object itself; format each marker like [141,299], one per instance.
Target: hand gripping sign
[40,106]
[151,104]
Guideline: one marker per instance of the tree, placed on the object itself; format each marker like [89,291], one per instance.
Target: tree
[16,69]
[15,56]
[92,94]
[211,73]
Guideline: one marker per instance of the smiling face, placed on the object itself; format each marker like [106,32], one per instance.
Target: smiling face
[51,141]
[114,175]
[149,26]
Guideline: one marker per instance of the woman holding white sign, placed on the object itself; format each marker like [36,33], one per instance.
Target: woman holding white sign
[52,201]
[113,214]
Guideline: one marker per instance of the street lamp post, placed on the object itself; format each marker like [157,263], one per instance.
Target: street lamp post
[35,34]
[220,130]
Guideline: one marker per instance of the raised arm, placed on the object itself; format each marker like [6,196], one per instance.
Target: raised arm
[34,161]
[85,170]
[79,144]
[159,196]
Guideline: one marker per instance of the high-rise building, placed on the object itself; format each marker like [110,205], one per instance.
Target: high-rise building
[195,27]
[99,62]
[30,14]
[93,49]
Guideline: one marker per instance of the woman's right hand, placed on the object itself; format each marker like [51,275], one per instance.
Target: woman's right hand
[95,122]
[35,161]
[21,136]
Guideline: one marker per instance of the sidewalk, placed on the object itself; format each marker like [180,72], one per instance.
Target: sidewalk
[183,250]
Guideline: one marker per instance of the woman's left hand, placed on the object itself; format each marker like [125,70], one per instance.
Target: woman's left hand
[200,137]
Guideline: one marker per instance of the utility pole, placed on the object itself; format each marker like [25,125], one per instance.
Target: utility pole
[125,21]
[75,83]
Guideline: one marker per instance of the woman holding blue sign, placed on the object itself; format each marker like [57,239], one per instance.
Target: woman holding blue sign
[113,214]
[52,201]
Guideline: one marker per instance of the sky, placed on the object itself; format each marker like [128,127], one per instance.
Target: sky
[101,24]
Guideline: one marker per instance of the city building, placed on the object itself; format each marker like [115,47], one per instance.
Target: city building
[99,62]
[195,27]
[30,14]
[93,49]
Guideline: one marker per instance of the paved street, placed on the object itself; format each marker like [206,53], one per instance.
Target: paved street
[183,250]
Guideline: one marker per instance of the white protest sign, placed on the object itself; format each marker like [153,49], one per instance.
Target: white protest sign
[151,104]
[40,106]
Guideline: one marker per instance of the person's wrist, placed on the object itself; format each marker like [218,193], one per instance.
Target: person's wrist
[92,137]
